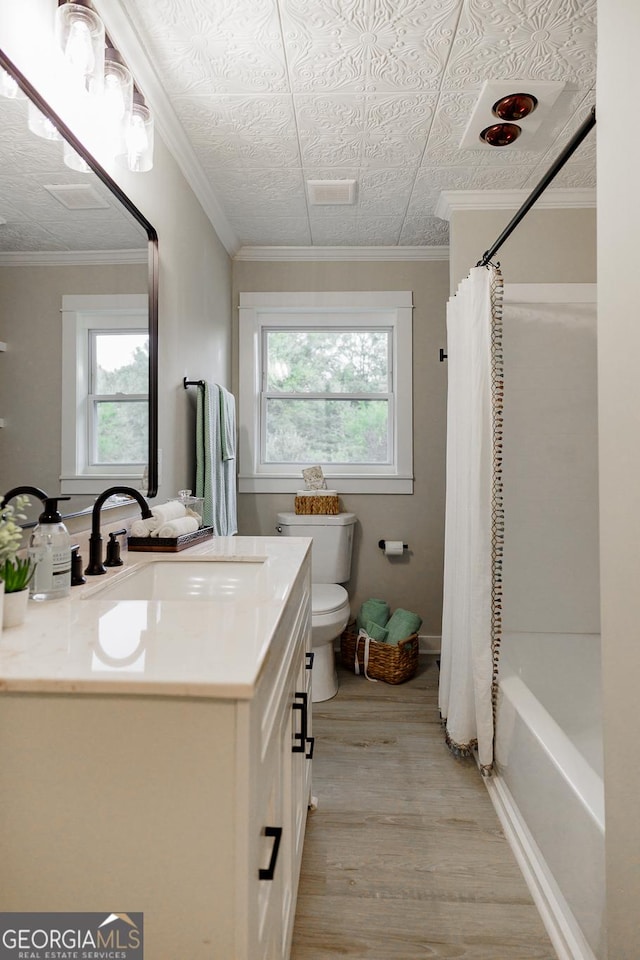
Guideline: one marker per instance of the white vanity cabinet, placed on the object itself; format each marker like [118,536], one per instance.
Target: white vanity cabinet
[188,808]
[281,749]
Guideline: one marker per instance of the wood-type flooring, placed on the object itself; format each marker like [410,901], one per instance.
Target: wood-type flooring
[404,859]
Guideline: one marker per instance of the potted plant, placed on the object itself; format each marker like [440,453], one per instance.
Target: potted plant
[15,572]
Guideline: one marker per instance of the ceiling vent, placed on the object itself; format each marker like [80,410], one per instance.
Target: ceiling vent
[326,192]
[76,196]
[533,127]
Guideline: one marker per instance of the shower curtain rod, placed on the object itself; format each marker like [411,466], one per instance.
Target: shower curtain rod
[569,149]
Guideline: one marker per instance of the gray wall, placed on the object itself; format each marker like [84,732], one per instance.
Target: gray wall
[413,581]
[550,469]
[548,246]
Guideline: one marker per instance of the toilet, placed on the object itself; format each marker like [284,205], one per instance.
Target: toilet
[330,567]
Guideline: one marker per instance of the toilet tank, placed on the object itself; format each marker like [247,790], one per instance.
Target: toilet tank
[332,542]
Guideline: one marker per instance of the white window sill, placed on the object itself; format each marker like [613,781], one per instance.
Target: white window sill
[96,484]
[342,484]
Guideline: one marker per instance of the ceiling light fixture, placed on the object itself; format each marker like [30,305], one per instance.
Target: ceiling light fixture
[80,34]
[41,125]
[118,119]
[139,136]
[501,134]
[9,88]
[515,106]
[117,102]
[528,103]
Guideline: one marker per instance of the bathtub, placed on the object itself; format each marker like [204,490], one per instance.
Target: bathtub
[548,787]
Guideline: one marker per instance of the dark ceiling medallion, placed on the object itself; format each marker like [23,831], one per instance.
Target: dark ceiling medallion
[515,106]
[500,134]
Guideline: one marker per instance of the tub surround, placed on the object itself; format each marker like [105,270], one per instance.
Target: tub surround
[156,754]
[549,791]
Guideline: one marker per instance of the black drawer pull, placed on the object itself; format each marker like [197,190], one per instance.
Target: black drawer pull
[310,656]
[312,742]
[301,703]
[276,833]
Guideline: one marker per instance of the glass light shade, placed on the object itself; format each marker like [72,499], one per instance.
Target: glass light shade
[500,134]
[73,159]
[139,138]
[515,106]
[80,35]
[41,125]
[9,88]
[117,102]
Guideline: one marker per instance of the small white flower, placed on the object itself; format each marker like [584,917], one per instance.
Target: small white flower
[10,529]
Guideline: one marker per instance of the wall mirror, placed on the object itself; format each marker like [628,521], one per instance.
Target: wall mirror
[63,232]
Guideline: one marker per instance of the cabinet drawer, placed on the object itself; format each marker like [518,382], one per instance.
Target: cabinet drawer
[272,826]
[268,697]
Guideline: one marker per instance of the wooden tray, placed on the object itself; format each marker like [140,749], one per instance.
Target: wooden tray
[169,544]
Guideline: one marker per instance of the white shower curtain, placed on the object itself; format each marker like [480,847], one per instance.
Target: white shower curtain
[471,616]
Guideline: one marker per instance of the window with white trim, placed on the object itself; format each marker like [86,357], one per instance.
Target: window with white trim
[326,378]
[105,391]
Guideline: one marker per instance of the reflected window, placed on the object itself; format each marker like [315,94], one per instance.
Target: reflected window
[105,387]
[118,399]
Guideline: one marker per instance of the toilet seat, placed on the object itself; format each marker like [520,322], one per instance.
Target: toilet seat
[329,616]
[327,598]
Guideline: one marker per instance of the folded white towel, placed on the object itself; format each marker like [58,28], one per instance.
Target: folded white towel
[142,528]
[162,513]
[169,511]
[175,528]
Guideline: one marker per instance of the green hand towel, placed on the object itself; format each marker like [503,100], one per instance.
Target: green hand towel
[401,625]
[376,610]
[375,631]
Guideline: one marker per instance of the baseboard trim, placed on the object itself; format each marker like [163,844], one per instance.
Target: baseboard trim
[563,929]
[429,644]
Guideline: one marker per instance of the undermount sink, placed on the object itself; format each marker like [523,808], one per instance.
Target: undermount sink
[185,580]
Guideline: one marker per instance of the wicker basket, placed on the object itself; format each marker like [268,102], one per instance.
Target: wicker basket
[317,505]
[393,664]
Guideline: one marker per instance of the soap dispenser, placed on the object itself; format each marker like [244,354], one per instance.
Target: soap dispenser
[50,550]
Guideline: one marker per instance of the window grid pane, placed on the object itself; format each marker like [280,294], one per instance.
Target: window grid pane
[119,362]
[327,395]
[327,361]
[118,368]
[120,431]
[327,431]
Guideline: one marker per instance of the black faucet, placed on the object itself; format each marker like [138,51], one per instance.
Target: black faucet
[96,565]
[27,492]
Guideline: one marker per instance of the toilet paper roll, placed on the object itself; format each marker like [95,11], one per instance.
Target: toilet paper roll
[393,548]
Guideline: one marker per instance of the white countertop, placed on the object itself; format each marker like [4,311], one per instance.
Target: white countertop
[86,643]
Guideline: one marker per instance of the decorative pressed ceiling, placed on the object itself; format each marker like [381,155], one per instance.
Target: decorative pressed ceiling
[258,97]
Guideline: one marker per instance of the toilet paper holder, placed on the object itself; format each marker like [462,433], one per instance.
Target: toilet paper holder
[383,545]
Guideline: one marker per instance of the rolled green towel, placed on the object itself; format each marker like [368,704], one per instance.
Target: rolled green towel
[375,631]
[401,625]
[376,610]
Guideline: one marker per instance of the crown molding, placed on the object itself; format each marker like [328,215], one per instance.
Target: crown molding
[450,200]
[319,254]
[70,258]
[132,48]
